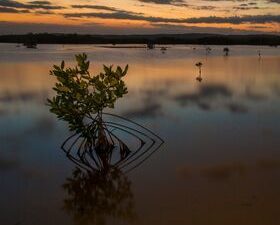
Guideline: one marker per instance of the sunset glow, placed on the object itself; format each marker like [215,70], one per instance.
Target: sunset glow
[140,16]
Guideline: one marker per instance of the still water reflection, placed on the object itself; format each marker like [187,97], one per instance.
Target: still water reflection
[94,197]
[220,163]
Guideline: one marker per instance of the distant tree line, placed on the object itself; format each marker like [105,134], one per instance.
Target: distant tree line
[206,39]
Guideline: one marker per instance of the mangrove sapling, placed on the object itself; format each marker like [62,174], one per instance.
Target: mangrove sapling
[199,66]
[81,98]
[226,51]
[259,54]
[80,101]
[208,50]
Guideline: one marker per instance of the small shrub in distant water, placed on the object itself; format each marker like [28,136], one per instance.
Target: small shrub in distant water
[226,51]
[199,66]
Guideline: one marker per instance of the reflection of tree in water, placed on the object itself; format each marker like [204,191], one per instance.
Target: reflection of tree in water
[99,189]
[118,142]
[104,146]
[93,197]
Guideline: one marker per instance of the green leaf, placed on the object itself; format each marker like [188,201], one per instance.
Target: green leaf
[63,88]
[125,70]
[106,69]
[62,64]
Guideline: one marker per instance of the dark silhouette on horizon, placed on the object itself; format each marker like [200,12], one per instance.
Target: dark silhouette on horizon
[191,38]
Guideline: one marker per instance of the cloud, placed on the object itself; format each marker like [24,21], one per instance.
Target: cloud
[99,7]
[236,19]
[212,97]
[204,7]
[253,96]
[274,1]
[152,106]
[23,97]
[106,8]
[41,12]
[205,92]
[236,107]
[86,11]
[149,110]
[245,7]
[40,2]
[30,5]
[179,3]
[121,15]
[210,20]
[225,0]
[11,3]
[166,2]
[12,10]
[43,126]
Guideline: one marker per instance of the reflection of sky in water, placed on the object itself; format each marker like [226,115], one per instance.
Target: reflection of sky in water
[220,163]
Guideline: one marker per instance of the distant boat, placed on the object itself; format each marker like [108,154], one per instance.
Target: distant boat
[163,49]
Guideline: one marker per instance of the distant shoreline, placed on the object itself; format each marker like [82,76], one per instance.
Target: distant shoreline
[193,38]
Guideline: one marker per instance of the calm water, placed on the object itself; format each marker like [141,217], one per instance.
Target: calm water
[220,163]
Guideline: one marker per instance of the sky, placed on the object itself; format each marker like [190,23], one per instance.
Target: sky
[140,16]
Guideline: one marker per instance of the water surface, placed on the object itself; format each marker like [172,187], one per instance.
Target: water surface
[220,163]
